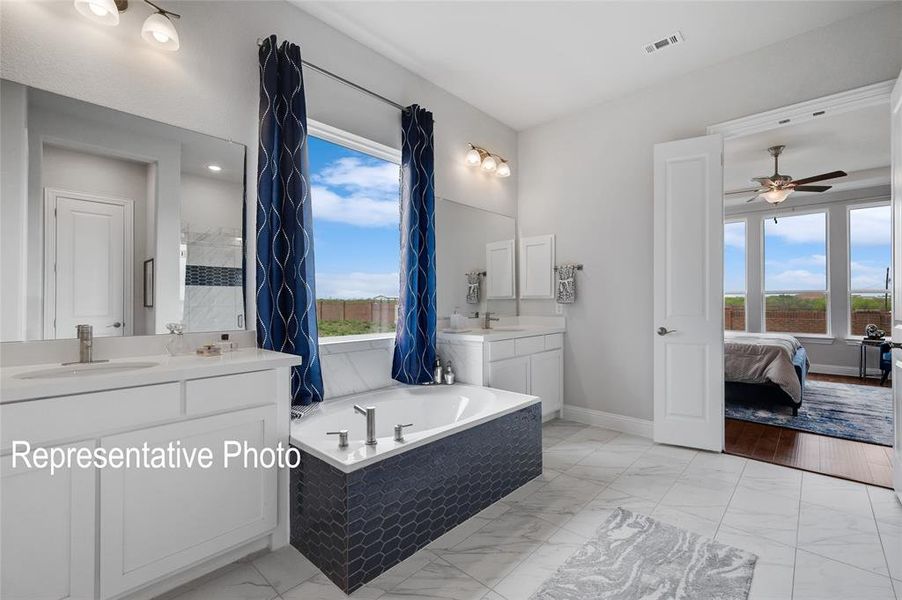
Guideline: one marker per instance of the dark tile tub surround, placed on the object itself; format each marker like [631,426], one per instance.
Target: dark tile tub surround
[354,526]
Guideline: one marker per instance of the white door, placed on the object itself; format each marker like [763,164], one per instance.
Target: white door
[896,135]
[688,293]
[88,264]
[546,376]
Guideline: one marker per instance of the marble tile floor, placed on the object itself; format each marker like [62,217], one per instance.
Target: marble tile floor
[816,537]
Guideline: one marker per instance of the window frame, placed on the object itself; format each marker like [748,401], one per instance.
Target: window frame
[366,146]
[849,290]
[745,274]
[793,212]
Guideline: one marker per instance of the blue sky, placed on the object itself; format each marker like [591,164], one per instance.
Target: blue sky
[356,219]
[795,251]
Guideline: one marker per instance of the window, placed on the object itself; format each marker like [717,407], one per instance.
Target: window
[795,274]
[356,225]
[870,262]
[734,281]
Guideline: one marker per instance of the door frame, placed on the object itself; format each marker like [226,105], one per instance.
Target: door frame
[793,114]
[51,196]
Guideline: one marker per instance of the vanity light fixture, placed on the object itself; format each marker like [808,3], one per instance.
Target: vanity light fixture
[158,29]
[214,168]
[478,156]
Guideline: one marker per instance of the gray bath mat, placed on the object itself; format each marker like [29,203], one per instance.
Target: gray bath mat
[636,557]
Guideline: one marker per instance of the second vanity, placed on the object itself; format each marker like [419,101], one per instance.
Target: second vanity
[112,533]
[516,354]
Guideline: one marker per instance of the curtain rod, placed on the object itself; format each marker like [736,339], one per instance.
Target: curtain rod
[344,81]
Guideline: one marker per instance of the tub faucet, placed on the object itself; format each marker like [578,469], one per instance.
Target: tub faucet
[370,413]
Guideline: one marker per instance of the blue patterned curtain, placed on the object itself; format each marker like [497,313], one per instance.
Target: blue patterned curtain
[415,341]
[286,297]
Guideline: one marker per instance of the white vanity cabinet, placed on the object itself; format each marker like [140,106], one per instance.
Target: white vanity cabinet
[115,533]
[527,360]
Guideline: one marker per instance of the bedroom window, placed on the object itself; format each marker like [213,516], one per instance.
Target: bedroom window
[795,274]
[734,281]
[870,265]
[354,186]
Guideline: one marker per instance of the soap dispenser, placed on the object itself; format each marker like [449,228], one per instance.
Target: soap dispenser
[177,344]
[437,375]
[449,374]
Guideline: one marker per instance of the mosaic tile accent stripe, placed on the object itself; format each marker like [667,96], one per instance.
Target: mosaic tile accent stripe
[354,526]
[218,276]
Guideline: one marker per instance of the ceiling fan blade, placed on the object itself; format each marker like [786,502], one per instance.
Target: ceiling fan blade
[764,181]
[752,199]
[743,191]
[812,188]
[821,177]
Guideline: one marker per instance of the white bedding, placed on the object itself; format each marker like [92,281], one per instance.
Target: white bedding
[762,358]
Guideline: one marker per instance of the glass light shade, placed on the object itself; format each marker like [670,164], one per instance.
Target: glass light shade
[473,158]
[159,31]
[489,163]
[776,196]
[503,170]
[99,11]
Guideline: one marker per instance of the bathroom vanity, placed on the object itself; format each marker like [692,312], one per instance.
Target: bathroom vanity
[515,355]
[108,533]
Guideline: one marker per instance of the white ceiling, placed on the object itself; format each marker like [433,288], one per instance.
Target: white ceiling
[856,142]
[529,62]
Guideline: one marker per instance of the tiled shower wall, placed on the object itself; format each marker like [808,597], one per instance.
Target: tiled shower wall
[213,292]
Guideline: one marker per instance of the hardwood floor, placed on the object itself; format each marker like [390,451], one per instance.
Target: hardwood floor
[857,461]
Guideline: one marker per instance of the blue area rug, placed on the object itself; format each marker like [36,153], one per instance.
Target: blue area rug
[841,410]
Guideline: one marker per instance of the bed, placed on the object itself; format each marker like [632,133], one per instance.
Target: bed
[765,367]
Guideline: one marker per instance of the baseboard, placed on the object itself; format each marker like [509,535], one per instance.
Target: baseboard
[599,418]
[841,370]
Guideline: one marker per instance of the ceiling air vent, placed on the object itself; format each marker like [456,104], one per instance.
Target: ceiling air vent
[670,40]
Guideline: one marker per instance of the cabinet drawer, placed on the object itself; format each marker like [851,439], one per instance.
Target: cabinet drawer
[501,350]
[554,341]
[63,418]
[529,345]
[228,392]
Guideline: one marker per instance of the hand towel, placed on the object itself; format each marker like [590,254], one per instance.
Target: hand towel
[566,284]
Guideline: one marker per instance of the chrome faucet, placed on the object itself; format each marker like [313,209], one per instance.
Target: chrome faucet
[85,334]
[370,413]
[488,320]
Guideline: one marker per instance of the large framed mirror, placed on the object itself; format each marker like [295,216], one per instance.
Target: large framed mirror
[116,221]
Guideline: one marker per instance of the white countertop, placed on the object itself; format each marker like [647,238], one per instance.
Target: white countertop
[499,332]
[168,368]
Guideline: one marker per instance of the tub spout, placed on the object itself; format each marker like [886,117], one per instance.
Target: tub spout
[370,413]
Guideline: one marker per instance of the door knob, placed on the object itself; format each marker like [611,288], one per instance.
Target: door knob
[665,331]
[117,325]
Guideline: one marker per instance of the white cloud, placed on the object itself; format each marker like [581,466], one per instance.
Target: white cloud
[799,229]
[360,209]
[868,276]
[357,285]
[734,235]
[372,177]
[796,280]
[871,226]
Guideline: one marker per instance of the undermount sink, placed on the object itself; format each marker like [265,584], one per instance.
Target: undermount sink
[85,370]
[502,328]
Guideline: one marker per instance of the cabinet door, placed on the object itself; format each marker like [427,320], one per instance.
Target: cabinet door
[511,374]
[154,522]
[546,378]
[499,258]
[537,267]
[47,545]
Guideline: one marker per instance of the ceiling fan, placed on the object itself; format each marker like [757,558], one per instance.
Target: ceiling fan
[777,188]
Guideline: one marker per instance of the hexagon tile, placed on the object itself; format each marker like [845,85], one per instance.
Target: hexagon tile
[354,526]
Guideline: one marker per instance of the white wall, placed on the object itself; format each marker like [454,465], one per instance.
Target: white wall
[588,179]
[14,194]
[209,203]
[77,171]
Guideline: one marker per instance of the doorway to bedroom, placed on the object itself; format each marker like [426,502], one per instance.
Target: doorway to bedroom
[808,292]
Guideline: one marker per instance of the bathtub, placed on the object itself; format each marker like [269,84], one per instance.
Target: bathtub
[358,511]
[434,411]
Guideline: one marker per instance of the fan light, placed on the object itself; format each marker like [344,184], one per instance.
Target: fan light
[473,157]
[159,31]
[99,11]
[489,163]
[776,196]
[214,168]
[503,170]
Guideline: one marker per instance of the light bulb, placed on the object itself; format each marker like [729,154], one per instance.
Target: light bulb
[99,11]
[214,168]
[776,196]
[489,163]
[503,170]
[473,158]
[159,31]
